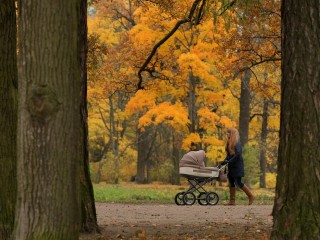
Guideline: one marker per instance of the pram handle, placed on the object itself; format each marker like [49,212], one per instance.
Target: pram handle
[223,166]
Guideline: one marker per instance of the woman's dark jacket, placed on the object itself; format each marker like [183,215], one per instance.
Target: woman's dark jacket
[235,162]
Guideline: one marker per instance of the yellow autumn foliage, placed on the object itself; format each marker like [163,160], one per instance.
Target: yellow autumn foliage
[208,55]
[141,102]
[174,115]
[104,28]
[227,122]
[189,61]
[191,138]
[271,180]
[208,118]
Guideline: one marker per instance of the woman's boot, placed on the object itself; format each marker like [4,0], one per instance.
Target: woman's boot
[249,194]
[232,200]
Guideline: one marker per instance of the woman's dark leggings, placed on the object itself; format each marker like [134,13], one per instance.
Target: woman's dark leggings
[235,181]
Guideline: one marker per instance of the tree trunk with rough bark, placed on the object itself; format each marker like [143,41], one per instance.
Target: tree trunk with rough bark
[88,209]
[8,117]
[49,121]
[296,211]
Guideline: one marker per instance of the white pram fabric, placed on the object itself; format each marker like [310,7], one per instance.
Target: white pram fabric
[200,172]
[193,159]
[192,164]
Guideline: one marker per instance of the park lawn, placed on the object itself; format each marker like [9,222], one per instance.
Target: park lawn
[165,193]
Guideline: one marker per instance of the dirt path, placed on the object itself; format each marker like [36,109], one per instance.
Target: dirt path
[156,221]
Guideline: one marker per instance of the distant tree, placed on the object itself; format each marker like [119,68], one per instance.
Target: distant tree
[48,121]
[296,211]
[245,101]
[8,116]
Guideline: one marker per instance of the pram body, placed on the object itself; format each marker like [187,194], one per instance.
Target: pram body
[192,167]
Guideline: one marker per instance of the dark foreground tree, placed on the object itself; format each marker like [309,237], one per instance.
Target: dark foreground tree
[48,120]
[88,210]
[8,117]
[297,207]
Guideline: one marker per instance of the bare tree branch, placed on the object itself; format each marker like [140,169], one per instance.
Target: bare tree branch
[227,6]
[255,115]
[165,38]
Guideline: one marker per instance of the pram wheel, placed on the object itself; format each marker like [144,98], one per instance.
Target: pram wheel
[189,198]
[212,198]
[202,198]
[179,198]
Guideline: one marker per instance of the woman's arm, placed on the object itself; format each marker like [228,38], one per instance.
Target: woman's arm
[224,162]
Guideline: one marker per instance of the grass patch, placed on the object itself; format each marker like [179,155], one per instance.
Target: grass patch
[164,194]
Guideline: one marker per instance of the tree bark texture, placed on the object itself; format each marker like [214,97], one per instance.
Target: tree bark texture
[245,100]
[8,117]
[49,121]
[88,209]
[296,209]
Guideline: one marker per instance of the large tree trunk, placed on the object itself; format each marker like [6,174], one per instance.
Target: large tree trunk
[297,206]
[88,210]
[245,100]
[48,121]
[8,117]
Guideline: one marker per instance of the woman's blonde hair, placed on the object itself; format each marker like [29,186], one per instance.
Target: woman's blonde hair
[232,140]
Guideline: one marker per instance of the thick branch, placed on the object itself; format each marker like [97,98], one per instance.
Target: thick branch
[226,7]
[255,115]
[164,39]
[274,59]
[129,19]
[200,13]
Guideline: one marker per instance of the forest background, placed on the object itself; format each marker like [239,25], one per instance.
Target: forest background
[44,121]
[193,83]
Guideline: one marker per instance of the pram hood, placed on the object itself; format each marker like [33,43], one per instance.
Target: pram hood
[193,159]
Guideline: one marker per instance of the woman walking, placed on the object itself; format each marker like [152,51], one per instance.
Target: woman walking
[235,165]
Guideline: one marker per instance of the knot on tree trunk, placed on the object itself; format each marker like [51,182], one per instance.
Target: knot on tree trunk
[42,103]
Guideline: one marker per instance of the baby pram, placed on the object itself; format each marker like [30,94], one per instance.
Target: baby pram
[192,167]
